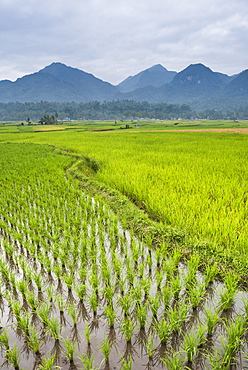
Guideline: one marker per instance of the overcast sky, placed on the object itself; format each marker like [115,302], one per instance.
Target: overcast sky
[113,39]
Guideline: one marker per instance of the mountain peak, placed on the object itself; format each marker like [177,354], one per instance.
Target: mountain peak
[157,68]
[238,86]
[197,67]
[154,76]
[197,80]
[56,68]
[58,82]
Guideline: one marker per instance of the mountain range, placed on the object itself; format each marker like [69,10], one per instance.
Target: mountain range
[196,85]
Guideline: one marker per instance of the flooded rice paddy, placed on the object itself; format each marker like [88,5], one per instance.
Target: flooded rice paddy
[95,297]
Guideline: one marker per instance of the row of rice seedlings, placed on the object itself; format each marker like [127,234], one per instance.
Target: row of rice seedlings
[69,287]
[230,290]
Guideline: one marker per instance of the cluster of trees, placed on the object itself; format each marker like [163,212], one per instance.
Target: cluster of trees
[49,120]
[49,113]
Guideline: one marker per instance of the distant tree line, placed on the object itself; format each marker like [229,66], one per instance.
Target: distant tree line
[49,112]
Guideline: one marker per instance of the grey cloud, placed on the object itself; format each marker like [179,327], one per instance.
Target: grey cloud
[113,39]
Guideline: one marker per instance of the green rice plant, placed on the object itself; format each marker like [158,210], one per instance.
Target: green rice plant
[196,294]
[48,266]
[32,300]
[228,295]
[167,295]
[137,293]
[60,302]
[12,279]
[58,271]
[54,327]
[177,315]
[234,333]
[122,284]
[218,360]
[117,267]
[141,270]
[72,311]
[154,303]
[210,273]
[94,279]
[105,348]
[146,285]
[38,281]
[4,271]
[141,313]
[87,333]
[24,266]
[127,364]
[212,318]
[94,302]
[47,363]
[176,286]
[159,278]
[110,314]
[24,323]
[34,341]
[174,360]
[69,280]
[125,302]
[69,349]
[50,293]
[176,256]
[192,265]
[192,341]
[227,299]
[81,291]
[231,281]
[127,328]
[201,332]
[63,259]
[55,253]
[43,310]
[82,273]
[169,267]
[88,361]
[13,355]
[16,307]
[22,286]
[158,254]
[4,338]
[163,329]
[109,292]
[150,347]
[130,274]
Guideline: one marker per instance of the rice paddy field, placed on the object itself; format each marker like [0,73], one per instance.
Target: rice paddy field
[83,288]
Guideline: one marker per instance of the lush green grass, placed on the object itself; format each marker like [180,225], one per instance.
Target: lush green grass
[196,182]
